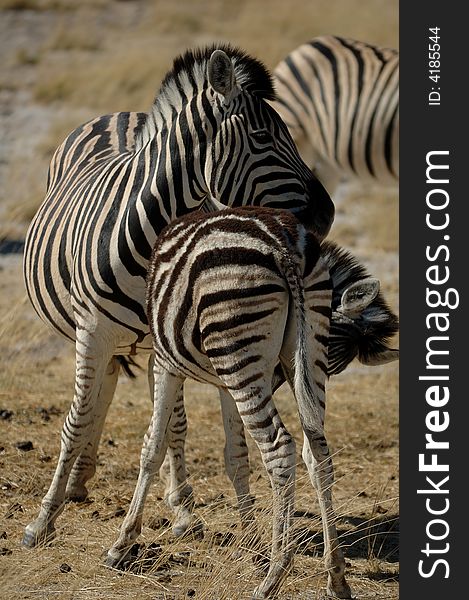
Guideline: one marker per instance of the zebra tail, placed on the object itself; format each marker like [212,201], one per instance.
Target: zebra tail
[127,363]
[303,382]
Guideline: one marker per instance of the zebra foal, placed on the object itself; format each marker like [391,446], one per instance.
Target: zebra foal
[361,326]
[229,295]
[340,101]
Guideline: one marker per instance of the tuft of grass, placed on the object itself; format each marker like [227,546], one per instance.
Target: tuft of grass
[26,57]
[123,82]
[44,5]
[76,38]
[20,5]
[58,88]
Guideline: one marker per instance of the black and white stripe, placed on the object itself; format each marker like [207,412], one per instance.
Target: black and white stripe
[229,296]
[361,326]
[210,140]
[340,101]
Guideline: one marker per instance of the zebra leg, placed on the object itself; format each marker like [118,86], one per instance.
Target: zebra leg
[236,451]
[277,447]
[178,493]
[319,464]
[167,388]
[237,458]
[85,465]
[320,469]
[91,363]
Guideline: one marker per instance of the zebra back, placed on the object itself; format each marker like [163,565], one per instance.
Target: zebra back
[340,101]
[217,277]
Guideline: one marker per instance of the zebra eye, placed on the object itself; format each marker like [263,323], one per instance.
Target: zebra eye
[262,136]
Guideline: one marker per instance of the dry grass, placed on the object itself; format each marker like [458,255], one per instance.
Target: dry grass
[365,492]
[78,60]
[206,566]
[65,62]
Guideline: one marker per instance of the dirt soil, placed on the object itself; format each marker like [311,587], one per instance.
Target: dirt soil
[37,367]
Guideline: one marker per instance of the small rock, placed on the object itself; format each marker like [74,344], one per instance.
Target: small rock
[44,414]
[118,512]
[5,414]
[64,568]
[25,446]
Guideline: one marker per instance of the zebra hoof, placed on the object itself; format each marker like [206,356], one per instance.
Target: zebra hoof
[343,592]
[121,561]
[183,525]
[179,529]
[77,499]
[193,530]
[76,493]
[112,562]
[37,537]
[258,594]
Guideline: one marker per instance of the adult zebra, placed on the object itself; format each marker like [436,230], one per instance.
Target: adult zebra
[114,183]
[340,101]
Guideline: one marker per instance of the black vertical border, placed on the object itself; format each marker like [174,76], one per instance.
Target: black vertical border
[425,128]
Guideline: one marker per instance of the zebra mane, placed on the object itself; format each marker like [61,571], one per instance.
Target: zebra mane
[377,323]
[189,75]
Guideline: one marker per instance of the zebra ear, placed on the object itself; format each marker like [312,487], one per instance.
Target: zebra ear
[221,75]
[380,358]
[358,296]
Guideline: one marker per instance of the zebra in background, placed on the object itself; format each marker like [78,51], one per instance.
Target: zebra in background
[210,139]
[340,101]
[229,295]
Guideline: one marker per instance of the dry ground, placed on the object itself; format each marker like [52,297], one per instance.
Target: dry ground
[61,66]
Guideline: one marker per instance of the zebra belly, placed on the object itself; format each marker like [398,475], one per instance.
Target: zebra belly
[58,302]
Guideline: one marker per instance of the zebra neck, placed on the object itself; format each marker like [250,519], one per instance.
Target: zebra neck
[166,184]
[174,140]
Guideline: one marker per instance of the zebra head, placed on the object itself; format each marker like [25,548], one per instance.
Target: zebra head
[248,151]
[362,322]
